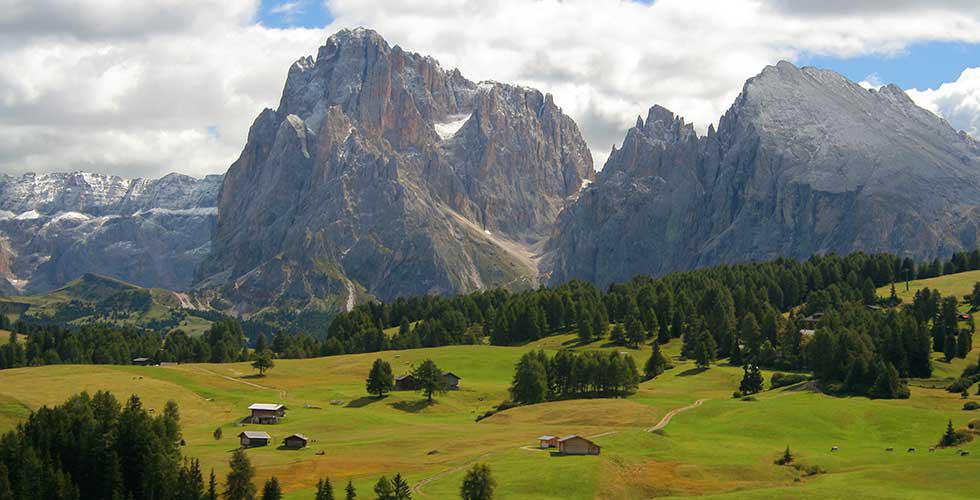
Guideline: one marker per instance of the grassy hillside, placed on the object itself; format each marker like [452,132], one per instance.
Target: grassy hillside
[96,298]
[958,284]
[723,448]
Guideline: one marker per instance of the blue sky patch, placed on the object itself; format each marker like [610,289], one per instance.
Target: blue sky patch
[921,66]
[294,14]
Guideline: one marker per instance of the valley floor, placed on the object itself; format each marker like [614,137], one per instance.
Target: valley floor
[722,448]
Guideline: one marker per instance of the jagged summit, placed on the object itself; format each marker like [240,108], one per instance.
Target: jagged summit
[382,174]
[804,162]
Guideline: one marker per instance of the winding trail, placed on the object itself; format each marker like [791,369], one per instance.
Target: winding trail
[233,379]
[417,487]
[672,413]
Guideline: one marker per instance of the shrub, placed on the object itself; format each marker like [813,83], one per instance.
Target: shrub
[971,405]
[974,424]
[961,384]
[783,379]
[736,395]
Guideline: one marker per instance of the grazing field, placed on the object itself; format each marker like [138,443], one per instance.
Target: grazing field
[723,448]
[958,284]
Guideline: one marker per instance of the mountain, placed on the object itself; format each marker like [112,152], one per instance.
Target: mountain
[56,227]
[94,298]
[381,174]
[804,162]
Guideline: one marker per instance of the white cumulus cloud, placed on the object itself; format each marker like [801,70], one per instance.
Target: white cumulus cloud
[148,87]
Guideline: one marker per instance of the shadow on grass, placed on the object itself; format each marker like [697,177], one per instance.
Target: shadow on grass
[413,406]
[283,447]
[691,371]
[252,376]
[364,401]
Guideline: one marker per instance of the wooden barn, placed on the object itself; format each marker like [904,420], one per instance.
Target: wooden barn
[548,442]
[577,445]
[266,413]
[250,439]
[143,361]
[296,441]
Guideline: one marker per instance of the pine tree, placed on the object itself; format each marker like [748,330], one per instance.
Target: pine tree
[949,350]
[429,378]
[530,384]
[656,364]
[478,484]
[964,342]
[617,335]
[949,437]
[271,490]
[381,379]
[238,483]
[212,487]
[261,343]
[349,492]
[383,489]
[263,361]
[324,490]
[402,490]
[705,350]
[634,332]
[677,324]
[887,385]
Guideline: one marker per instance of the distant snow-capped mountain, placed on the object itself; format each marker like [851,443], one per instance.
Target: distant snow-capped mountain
[57,227]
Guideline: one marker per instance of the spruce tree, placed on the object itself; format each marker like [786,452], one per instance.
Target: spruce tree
[478,484]
[530,384]
[429,378]
[949,437]
[964,342]
[383,489]
[634,332]
[705,350]
[381,379]
[349,492]
[238,483]
[656,364]
[271,490]
[949,351]
[324,490]
[618,335]
[402,490]
[212,487]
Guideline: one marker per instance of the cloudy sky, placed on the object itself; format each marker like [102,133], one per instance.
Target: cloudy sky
[153,86]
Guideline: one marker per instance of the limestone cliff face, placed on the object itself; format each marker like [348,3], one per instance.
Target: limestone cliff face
[381,174]
[804,162]
[56,227]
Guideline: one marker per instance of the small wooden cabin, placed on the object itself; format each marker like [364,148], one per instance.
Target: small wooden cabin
[143,361]
[577,445]
[250,439]
[452,381]
[266,413]
[548,442]
[296,441]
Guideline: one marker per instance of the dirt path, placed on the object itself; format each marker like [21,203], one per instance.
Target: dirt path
[417,488]
[233,379]
[666,420]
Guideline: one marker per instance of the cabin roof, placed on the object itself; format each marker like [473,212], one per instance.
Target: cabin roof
[255,435]
[265,406]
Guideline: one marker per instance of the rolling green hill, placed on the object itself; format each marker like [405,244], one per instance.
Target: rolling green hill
[722,449]
[100,299]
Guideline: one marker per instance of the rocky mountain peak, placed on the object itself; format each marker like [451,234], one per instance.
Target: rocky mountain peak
[382,174]
[804,162]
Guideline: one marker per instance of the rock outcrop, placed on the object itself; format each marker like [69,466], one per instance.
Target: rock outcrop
[382,174]
[54,228]
[805,162]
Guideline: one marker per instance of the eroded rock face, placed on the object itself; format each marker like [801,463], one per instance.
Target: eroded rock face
[804,162]
[54,228]
[382,174]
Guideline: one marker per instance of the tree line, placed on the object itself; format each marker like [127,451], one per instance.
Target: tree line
[569,374]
